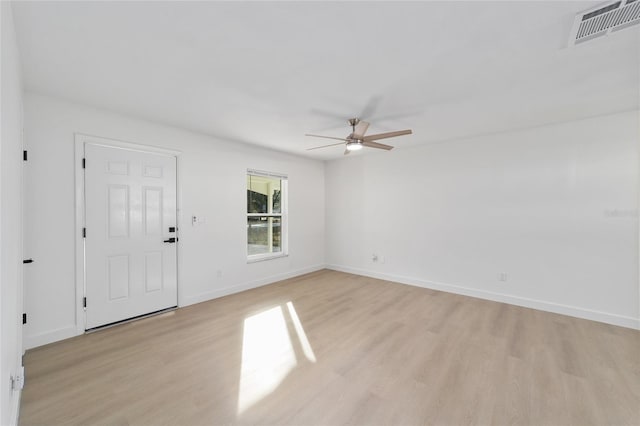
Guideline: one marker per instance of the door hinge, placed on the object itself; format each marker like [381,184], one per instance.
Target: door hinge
[17,380]
[84,232]
[84,302]
[24,318]
[27,261]
[24,155]
[84,163]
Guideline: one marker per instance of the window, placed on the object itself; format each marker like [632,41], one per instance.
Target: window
[266,215]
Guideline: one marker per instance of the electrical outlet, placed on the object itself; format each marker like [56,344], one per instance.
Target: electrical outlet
[502,276]
[219,273]
[374,257]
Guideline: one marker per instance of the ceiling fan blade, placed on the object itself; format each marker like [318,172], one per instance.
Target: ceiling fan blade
[327,137]
[325,146]
[361,129]
[386,135]
[371,144]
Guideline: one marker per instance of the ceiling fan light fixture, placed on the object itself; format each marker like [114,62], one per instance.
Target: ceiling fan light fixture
[354,146]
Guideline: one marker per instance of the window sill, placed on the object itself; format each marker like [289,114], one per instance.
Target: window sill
[263,257]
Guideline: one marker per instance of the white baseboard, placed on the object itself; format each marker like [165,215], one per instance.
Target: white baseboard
[71,330]
[50,336]
[574,311]
[214,294]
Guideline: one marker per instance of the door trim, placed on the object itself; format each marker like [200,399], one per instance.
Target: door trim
[80,141]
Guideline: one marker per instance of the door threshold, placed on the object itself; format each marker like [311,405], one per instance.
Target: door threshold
[124,321]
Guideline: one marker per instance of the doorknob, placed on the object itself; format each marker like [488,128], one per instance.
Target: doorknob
[170,240]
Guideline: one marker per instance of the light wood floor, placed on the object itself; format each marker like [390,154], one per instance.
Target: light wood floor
[384,353]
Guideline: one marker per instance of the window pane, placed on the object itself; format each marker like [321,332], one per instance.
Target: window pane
[263,194]
[264,235]
[277,233]
[276,203]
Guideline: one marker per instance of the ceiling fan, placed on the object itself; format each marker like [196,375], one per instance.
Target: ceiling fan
[357,139]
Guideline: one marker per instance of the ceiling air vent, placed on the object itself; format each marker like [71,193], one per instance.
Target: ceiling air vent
[604,19]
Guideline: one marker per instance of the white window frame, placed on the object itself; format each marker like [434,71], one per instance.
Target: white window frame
[283,215]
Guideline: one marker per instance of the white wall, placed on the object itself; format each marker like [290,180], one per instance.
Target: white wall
[555,208]
[212,182]
[10,218]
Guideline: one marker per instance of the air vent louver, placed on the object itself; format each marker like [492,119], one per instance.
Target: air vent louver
[604,20]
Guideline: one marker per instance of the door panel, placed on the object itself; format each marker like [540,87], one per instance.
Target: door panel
[152,171]
[118,207]
[130,203]
[153,271]
[152,211]
[118,167]
[118,277]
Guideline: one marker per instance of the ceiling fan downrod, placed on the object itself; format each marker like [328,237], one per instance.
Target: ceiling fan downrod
[354,122]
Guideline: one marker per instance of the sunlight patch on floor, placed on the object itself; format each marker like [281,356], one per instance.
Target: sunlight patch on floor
[302,336]
[267,356]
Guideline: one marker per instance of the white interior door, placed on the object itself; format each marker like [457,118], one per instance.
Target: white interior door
[130,217]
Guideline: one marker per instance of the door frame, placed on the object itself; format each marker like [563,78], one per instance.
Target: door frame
[80,266]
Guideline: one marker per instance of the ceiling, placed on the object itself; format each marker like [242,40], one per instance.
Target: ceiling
[266,73]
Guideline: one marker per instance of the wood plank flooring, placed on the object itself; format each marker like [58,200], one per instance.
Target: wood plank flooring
[378,353]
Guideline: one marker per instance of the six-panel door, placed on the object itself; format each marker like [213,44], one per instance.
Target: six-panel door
[130,209]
